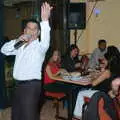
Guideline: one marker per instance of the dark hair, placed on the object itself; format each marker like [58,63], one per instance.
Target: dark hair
[101,41]
[72,46]
[49,54]
[114,65]
[113,57]
[33,21]
[111,52]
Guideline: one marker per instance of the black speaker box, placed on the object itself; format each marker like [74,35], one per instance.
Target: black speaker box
[76,16]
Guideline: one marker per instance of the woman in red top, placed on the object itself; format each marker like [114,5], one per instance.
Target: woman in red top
[52,68]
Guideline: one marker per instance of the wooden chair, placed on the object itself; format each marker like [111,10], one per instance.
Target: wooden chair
[103,115]
[116,101]
[58,97]
[86,100]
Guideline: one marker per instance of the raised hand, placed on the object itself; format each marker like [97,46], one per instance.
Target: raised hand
[45,11]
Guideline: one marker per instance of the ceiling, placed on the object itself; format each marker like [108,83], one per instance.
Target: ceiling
[13,2]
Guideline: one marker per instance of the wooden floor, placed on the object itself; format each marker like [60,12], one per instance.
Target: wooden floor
[47,112]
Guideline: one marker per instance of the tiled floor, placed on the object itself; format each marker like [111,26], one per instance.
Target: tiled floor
[47,112]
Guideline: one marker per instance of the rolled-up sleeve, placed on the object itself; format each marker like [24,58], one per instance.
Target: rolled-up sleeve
[8,48]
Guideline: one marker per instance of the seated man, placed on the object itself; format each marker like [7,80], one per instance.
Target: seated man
[97,54]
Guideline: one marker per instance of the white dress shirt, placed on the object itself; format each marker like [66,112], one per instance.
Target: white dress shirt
[29,59]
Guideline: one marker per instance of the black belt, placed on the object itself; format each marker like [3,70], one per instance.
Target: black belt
[27,81]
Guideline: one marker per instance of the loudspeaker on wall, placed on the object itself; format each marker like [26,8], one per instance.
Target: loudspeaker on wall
[76,16]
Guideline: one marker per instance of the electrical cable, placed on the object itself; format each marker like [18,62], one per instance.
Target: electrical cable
[88,19]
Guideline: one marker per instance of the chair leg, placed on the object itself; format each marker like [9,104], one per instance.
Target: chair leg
[58,112]
[57,109]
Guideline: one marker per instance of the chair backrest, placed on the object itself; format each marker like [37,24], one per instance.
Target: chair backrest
[103,115]
[116,101]
[100,107]
[54,95]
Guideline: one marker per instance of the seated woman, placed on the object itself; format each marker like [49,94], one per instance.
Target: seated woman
[103,82]
[52,68]
[70,61]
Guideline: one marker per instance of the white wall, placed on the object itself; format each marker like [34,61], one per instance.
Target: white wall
[104,26]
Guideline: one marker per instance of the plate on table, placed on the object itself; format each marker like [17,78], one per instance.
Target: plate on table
[76,78]
[66,77]
[85,79]
[80,78]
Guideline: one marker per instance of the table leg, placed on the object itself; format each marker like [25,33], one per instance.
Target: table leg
[70,108]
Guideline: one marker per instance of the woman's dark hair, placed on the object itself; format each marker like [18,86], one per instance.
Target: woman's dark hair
[113,57]
[49,54]
[73,46]
[112,51]
[114,65]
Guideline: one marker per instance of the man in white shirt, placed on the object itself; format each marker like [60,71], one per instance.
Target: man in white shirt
[28,64]
[98,54]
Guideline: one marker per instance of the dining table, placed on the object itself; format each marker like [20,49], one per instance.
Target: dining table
[77,82]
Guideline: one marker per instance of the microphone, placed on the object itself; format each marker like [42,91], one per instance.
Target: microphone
[20,43]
